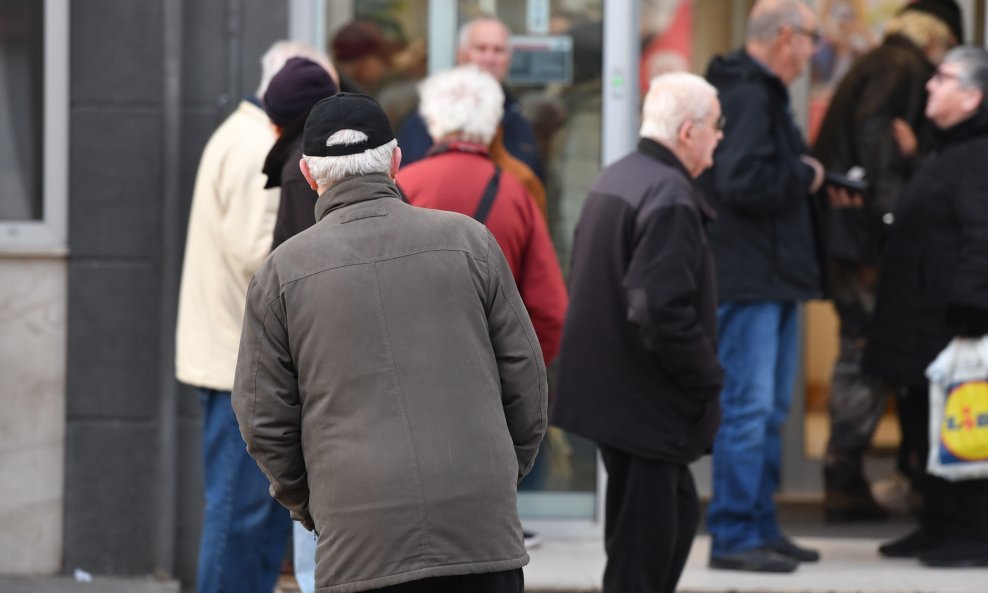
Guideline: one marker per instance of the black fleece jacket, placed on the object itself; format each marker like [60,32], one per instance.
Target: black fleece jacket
[638,368]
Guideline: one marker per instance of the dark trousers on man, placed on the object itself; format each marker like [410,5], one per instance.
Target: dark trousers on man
[651,516]
[506,581]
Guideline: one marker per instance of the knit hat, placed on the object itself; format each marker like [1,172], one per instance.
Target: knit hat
[299,85]
[359,39]
[946,11]
[345,111]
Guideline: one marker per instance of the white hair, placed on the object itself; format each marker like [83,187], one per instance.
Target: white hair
[281,51]
[672,99]
[465,29]
[327,170]
[768,16]
[465,101]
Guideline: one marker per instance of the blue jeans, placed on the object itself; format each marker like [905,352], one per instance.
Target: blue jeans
[759,351]
[244,531]
[304,548]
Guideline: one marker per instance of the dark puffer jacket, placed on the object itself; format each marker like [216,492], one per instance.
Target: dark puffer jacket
[934,278]
[765,238]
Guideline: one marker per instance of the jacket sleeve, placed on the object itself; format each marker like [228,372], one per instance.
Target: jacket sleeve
[753,174]
[896,92]
[296,211]
[524,392]
[662,285]
[248,210]
[266,401]
[967,309]
[541,285]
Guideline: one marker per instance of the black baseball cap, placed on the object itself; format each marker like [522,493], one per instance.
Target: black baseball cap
[345,111]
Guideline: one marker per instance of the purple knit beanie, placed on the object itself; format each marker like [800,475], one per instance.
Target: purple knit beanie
[299,85]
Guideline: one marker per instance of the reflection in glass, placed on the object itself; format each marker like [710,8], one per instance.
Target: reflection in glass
[389,59]
[566,119]
[21,102]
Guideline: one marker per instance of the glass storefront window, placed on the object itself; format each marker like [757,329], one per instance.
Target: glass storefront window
[34,98]
[21,114]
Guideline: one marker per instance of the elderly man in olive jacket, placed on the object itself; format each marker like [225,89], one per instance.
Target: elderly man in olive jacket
[390,384]
[638,367]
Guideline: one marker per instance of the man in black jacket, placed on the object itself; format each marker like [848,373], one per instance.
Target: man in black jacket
[638,366]
[766,248]
[301,84]
[875,122]
[932,289]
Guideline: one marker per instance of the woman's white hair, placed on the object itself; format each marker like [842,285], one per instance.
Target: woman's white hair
[465,102]
[281,51]
[327,170]
[672,99]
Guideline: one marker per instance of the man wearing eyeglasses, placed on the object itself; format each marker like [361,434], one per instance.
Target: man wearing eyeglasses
[766,248]
[638,370]
[931,290]
[874,123]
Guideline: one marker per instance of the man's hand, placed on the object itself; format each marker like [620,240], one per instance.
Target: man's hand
[905,137]
[841,197]
[817,172]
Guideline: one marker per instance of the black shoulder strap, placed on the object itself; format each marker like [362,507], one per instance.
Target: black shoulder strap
[487,200]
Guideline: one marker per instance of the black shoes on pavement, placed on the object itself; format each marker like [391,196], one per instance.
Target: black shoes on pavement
[911,545]
[787,547]
[780,556]
[936,550]
[756,560]
[956,554]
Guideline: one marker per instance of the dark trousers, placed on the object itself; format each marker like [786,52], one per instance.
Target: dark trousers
[957,510]
[856,402]
[507,581]
[651,516]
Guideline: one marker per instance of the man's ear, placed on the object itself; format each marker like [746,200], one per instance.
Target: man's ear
[685,131]
[972,100]
[395,161]
[304,167]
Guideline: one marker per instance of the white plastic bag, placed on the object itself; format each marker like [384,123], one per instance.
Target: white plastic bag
[959,410]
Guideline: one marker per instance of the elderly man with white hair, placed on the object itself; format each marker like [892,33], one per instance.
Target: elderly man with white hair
[389,382]
[462,108]
[638,369]
[484,42]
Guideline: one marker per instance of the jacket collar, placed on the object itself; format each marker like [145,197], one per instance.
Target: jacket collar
[458,146]
[903,42]
[657,151]
[356,189]
[974,126]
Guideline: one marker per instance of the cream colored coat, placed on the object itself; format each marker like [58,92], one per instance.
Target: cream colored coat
[229,235]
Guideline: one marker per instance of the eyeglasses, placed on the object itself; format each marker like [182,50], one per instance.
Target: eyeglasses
[940,76]
[813,35]
[718,124]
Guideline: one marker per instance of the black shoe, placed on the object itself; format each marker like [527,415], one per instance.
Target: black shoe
[956,553]
[756,560]
[787,547]
[532,539]
[911,545]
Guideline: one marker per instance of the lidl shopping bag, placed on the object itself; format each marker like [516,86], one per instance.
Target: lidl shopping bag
[959,410]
